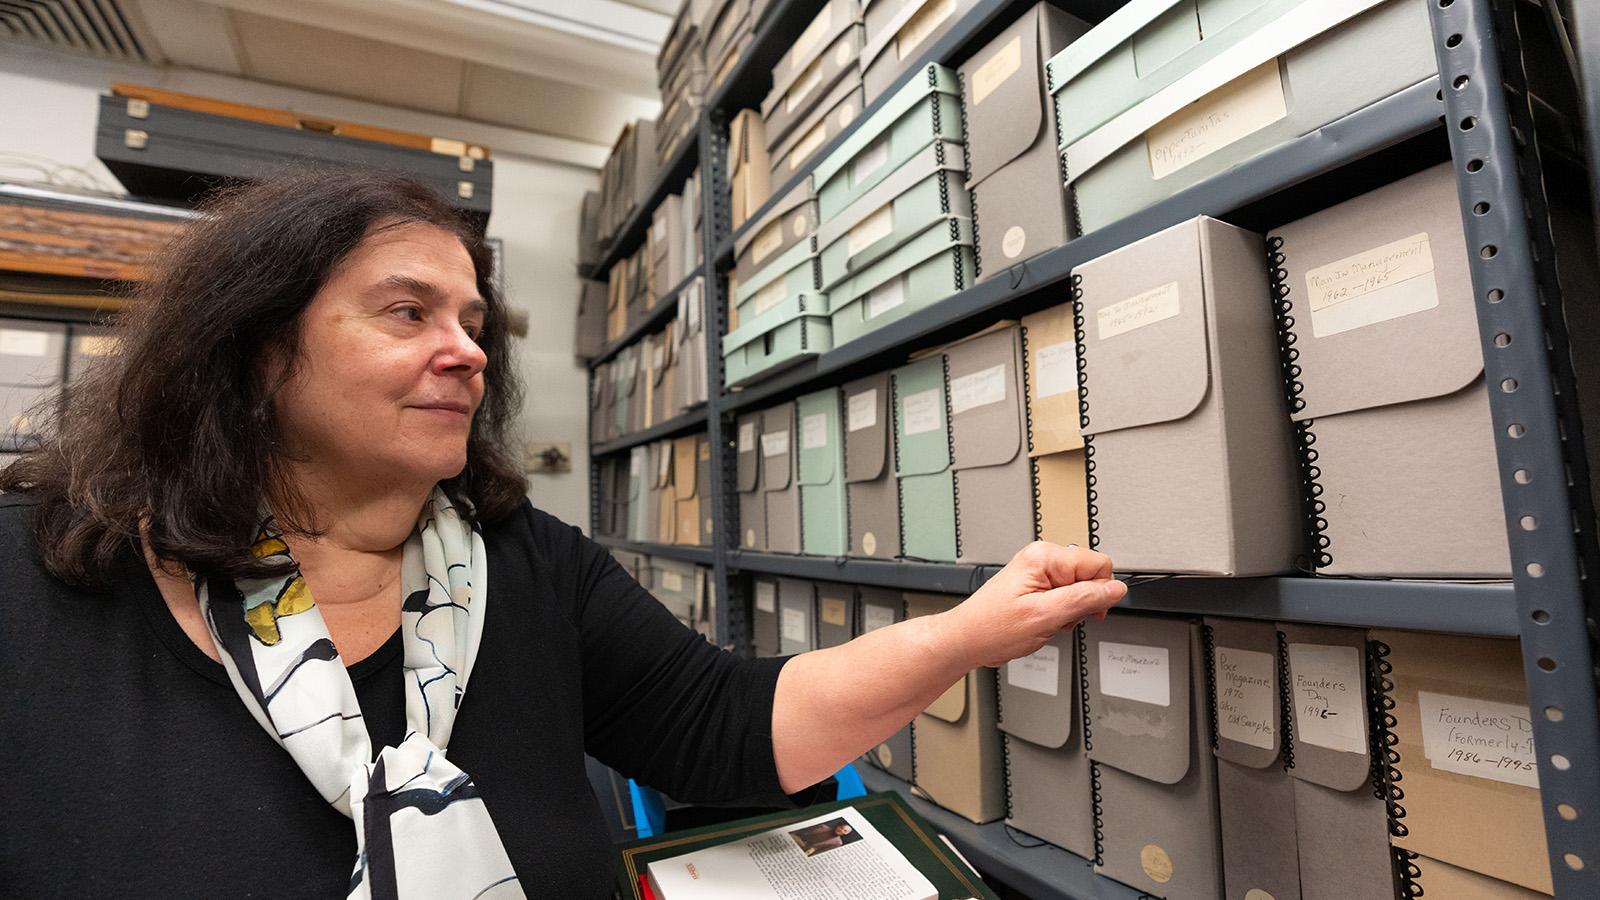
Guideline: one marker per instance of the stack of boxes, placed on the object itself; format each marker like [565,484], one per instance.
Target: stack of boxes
[681,76]
[816,89]
[730,26]
[899,33]
[779,313]
[658,493]
[627,176]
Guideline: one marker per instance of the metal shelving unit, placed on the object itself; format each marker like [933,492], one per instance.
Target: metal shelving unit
[698,555]
[669,176]
[654,320]
[693,420]
[1474,114]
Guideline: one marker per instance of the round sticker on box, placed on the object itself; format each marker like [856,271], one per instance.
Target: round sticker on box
[885,758]
[708,524]
[842,55]
[1014,240]
[1156,863]
[798,225]
[749,537]
[869,544]
[1258,894]
[847,112]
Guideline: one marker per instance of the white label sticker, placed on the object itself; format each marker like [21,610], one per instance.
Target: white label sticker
[806,43]
[874,617]
[1482,738]
[1247,696]
[861,410]
[1329,709]
[996,69]
[921,25]
[1039,672]
[770,296]
[885,297]
[1135,672]
[808,145]
[871,160]
[20,342]
[766,597]
[671,581]
[1374,286]
[803,86]
[981,388]
[847,114]
[872,229]
[775,444]
[814,431]
[1230,113]
[1013,242]
[923,411]
[1055,370]
[1154,305]
[794,626]
[747,436]
[770,239]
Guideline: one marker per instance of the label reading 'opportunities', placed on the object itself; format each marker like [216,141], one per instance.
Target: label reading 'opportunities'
[1231,113]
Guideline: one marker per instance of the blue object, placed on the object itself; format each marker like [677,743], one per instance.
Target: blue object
[650,811]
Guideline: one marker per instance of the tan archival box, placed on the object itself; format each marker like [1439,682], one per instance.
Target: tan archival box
[1060,493]
[959,761]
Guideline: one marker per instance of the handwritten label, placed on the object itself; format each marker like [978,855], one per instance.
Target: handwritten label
[806,44]
[1135,672]
[775,443]
[747,437]
[1329,709]
[861,410]
[1231,113]
[834,610]
[981,388]
[886,296]
[914,32]
[1038,672]
[874,617]
[1138,311]
[766,597]
[814,431]
[22,342]
[922,412]
[671,581]
[808,145]
[1481,738]
[796,626]
[1374,286]
[1055,370]
[770,239]
[1247,696]
[872,229]
[871,160]
[770,296]
[996,69]
[807,83]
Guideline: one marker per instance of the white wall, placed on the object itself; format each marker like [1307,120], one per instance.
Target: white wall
[48,104]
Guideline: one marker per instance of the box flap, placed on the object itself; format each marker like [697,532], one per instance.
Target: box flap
[1347,769]
[866,428]
[1144,341]
[938,237]
[1052,381]
[940,155]
[684,486]
[1111,33]
[1039,693]
[749,452]
[777,447]
[1358,350]
[1138,670]
[1244,659]
[940,160]
[1005,97]
[922,440]
[780,315]
[818,417]
[938,79]
[638,462]
[951,705]
[985,410]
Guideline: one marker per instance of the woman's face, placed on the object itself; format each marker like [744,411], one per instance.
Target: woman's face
[390,373]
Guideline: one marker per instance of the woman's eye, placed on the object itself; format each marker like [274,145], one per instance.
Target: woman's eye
[409,313]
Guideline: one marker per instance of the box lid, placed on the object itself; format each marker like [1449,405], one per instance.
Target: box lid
[835,18]
[748,452]
[684,484]
[836,111]
[1039,693]
[1005,100]
[866,428]
[938,237]
[985,411]
[773,232]
[922,435]
[937,79]
[888,32]
[783,313]
[777,447]
[1366,354]
[1138,672]
[1340,770]
[1144,345]
[818,416]
[1244,656]
[1052,381]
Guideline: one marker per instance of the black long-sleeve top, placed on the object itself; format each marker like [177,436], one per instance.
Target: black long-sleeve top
[132,768]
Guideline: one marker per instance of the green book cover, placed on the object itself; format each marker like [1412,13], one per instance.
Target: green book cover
[887,811]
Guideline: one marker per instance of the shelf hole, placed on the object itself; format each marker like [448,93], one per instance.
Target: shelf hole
[1516,430]
[1535,570]
[1461,82]
[1495,295]
[1488,251]
[1468,123]
[1560,762]
[1474,165]
[1522,476]
[1445,4]
[1574,861]
[1481,208]
[1509,385]
[1554,713]
[1453,40]
[1541,616]
[1502,340]
[1567,811]
[1548,665]
[1529,523]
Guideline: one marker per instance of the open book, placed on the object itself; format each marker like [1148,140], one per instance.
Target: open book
[869,848]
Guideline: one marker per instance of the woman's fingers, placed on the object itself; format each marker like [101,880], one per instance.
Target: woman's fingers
[1074,602]
[1060,565]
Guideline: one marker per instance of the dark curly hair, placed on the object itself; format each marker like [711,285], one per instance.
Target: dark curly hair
[173,440]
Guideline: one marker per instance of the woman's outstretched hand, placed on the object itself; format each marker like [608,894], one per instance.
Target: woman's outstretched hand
[1045,588]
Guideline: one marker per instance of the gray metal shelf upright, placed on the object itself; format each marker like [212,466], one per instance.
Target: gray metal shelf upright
[1478,106]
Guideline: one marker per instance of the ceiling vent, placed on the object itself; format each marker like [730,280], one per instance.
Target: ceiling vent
[102,28]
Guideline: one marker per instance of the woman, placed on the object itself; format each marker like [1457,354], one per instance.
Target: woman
[313,400]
